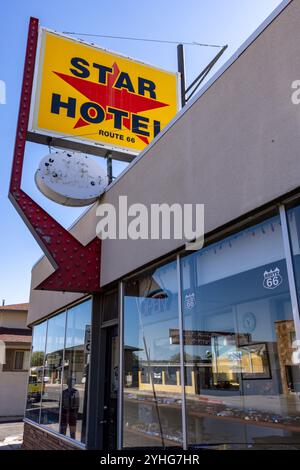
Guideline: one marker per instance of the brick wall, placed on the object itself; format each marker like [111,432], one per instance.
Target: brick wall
[38,439]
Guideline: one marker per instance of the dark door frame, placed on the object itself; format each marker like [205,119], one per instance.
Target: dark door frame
[96,393]
[110,408]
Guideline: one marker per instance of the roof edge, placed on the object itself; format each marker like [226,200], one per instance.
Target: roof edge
[245,45]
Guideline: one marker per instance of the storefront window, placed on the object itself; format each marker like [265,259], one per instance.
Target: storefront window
[35,380]
[76,372]
[53,371]
[152,389]
[59,371]
[293,217]
[241,379]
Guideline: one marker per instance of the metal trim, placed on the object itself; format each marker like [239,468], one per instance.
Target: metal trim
[45,350]
[61,310]
[181,340]
[168,258]
[63,369]
[109,323]
[290,269]
[92,391]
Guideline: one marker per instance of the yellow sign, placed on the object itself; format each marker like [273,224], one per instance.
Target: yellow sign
[89,95]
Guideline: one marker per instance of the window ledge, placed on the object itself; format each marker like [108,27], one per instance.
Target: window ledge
[74,443]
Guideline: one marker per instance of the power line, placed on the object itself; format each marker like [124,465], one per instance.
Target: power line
[143,39]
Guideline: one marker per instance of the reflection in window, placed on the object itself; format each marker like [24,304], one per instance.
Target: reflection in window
[152,390]
[239,370]
[53,371]
[288,336]
[35,380]
[76,366]
[59,371]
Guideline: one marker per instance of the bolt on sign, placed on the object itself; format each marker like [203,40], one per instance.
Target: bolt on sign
[89,95]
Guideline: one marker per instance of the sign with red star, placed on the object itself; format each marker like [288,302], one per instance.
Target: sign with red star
[86,94]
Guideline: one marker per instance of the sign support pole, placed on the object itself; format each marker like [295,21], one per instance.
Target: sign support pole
[109,167]
[181,70]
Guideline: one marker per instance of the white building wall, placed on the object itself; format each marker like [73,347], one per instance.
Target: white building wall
[13,387]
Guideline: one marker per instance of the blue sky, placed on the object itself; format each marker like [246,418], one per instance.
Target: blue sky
[209,21]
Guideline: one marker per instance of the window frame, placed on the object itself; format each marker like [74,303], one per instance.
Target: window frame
[13,367]
[38,423]
[16,351]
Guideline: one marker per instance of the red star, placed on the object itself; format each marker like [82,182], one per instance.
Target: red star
[106,95]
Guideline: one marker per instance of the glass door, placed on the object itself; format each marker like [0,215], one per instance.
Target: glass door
[111,388]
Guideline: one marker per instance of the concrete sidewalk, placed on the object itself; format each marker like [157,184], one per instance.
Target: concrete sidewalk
[11,435]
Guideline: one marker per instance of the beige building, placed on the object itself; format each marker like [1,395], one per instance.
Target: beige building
[110,370]
[15,344]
